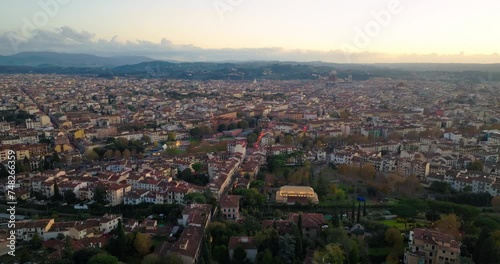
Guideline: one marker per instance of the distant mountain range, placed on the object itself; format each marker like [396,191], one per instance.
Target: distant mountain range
[54,59]
[144,67]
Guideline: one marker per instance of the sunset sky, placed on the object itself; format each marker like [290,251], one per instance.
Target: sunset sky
[201,30]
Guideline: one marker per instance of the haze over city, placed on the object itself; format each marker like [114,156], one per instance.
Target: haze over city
[215,30]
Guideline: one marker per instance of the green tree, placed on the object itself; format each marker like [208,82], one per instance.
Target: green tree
[286,248]
[221,127]
[367,172]
[103,258]
[56,158]
[359,212]
[194,197]
[142,243]
[353,209]
[186,173]
[476,165]
[57,194]
[232,126]
[321,186]
[252,138]
[197,167]
[299,225]
[405,211]
[91,155]
[487,247]
[25,256]
[243,124]
[100,194]
[108,154]
[449,224]
[118,244]
[117,154]
[172,259]
[146,139]
[220,254]
[36,242]
[83,256]
[267,257]
[332,253]
[151,259]
[467,189]
[4,173]
[299,247]
[395,240]
[239,255]
[441,187]
[172,136]
[67,252]
[126,153]
[70,196]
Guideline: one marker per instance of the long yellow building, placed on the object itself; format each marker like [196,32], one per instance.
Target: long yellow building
[292,194]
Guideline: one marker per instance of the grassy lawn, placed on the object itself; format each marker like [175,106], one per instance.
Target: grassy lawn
[401,226]
[394,223]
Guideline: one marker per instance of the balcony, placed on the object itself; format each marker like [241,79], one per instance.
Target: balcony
[415,256]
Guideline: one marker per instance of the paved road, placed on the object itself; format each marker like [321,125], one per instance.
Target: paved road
[22,211]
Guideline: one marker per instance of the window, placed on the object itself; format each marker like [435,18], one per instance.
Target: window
[430,254]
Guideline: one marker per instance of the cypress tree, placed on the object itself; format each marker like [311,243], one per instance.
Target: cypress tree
[353,209]
[57,194]
[299,225]
[359,211]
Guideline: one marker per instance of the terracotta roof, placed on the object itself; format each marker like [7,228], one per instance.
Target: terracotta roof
[241,241]
[230,201]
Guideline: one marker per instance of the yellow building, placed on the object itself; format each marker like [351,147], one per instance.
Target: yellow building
[22,153]
[80,133]
[293,194]
[63,148]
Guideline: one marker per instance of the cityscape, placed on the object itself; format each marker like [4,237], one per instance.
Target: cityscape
[120,150]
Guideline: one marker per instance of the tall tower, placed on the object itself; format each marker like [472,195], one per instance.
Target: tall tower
[333,77]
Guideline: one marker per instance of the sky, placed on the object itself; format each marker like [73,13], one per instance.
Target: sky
[354,31]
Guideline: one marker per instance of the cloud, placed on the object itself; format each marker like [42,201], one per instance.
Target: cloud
[67,39]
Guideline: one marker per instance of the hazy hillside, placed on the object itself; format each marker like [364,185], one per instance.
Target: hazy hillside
[44,59]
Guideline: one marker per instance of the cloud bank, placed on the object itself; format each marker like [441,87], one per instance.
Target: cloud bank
[69,40]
